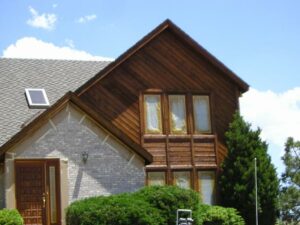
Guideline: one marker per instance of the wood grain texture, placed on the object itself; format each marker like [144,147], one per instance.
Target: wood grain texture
[168,64]
[165,64]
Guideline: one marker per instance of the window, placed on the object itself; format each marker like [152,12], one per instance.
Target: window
[206,180]
[179,107]
[177,114]
[36,98]
[53,207]
[182,179]
[201,114]
[156,178]
[152,106]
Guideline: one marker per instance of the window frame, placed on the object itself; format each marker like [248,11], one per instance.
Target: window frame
[183,170]
[209,113]
[155,171]
[33,105]
[161,124]
[166,112]
[186,130]
[214,191]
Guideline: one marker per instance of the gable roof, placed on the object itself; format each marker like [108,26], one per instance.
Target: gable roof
[170,26]
[56,76]
[69,97]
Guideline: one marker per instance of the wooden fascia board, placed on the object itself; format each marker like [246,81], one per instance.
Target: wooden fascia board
[58,106]
[243,86]
[167,24]
[123,57]
[112,129]
[36,123]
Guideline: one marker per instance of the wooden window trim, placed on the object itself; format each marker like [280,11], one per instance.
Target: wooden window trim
[155,170]
[144,115]
[210,131]
[215,181]
[174,170]
[187,128]
[165,113]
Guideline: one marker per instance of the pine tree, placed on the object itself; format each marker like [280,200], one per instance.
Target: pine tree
[237,178]
[290,190]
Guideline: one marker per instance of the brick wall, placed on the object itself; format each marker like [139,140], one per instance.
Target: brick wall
[110,168]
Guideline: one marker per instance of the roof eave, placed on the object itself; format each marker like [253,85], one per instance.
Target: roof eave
[167,24]
[50,112]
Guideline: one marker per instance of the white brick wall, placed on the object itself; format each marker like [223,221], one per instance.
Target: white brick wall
[111,167]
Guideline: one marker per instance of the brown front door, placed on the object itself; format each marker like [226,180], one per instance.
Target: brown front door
[38,191]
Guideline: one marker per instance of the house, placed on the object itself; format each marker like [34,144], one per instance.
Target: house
[74,129]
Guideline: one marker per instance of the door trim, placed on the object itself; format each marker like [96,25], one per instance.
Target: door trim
[47,163]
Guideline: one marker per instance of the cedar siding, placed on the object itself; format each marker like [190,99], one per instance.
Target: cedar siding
[167,63]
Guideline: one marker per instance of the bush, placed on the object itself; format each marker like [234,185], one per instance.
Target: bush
[170,198]
[155,205]
[124,209]
[217,215]
[10,217]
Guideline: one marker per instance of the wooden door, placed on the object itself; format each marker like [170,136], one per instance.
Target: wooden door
[38,192]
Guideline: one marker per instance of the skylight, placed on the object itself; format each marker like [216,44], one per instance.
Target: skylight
[37,98]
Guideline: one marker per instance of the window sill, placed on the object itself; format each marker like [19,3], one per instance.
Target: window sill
[179,136]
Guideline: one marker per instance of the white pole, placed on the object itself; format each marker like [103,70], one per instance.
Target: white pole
[256,210]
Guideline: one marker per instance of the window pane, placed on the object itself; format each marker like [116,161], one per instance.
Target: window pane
[156,178]
[201,114]
[37,97]
[152,114]
[177,114]
[207,186]
[182,179]
[53,210]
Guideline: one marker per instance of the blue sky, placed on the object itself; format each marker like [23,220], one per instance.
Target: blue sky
[258,40]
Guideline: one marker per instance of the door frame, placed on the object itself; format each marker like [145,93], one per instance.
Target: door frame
[47,163]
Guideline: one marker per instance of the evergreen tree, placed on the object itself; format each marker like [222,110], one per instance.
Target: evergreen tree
[290,190]
[237,184]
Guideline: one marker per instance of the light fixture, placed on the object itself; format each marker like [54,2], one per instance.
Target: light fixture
[85,156]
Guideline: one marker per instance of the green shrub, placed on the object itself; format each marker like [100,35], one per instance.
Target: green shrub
[124,209]
[155,205]
[170,198]
[217,215]
[10,217]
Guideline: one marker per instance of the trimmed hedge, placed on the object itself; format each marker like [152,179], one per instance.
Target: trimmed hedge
[121,209]
[10,217]
[155,205]
[217,215]
[170,198]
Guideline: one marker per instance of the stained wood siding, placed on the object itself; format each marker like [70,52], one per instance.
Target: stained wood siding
[168,64]
[157,147]
[222,152]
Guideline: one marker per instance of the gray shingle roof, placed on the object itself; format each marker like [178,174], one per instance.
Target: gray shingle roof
[57,77]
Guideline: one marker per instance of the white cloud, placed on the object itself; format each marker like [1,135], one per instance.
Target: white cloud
[54,5]
[70,43]
[44,21]
[277,114]
[30,47]
[87,18]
